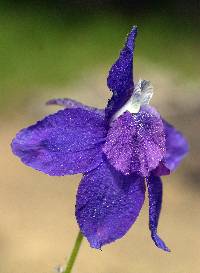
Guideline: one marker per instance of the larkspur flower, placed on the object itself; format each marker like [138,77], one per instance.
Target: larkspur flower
[118,149]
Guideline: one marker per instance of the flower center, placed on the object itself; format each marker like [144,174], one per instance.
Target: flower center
[142,95]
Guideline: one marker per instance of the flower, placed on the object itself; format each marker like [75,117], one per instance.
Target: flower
[118,149]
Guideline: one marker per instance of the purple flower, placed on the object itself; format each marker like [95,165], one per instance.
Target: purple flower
[117,149]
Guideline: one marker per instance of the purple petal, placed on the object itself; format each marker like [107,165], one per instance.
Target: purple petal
[136,142]
[120,78]
[108,203]
[176,147]
[67,142]
[154,184]
[69,103]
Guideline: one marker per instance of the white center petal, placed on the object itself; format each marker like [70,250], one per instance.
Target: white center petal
[142,95]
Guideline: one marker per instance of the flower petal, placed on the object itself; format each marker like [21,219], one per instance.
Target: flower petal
[120,78]
[108,203]
[154,184]
[69,103]
[136,142]
[176,147]
[67,142]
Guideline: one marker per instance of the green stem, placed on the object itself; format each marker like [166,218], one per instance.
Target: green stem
[74,253]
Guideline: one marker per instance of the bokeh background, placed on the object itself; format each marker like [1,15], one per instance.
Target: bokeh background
[64,48]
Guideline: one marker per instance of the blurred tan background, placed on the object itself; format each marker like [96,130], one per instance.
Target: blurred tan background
[64,49]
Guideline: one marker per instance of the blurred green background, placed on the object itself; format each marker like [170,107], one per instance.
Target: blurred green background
[64,49]
[50,44]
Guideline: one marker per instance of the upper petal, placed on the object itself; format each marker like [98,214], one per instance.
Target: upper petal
[136,142]
[69,103]
[67,142]
[154,184]
[120,78]
[108,203]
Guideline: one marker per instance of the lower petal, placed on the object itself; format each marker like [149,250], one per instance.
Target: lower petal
[154,184]
[108,203]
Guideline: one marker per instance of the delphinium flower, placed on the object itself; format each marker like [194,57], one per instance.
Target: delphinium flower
[120,150]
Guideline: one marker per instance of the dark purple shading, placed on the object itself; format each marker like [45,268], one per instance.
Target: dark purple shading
[176,149]
[154,185]
[161,169]
[67,142]
[136,142]
[120,78]
[69,103]
[108,204]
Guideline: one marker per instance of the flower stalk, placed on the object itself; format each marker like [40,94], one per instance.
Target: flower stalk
[74,253]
